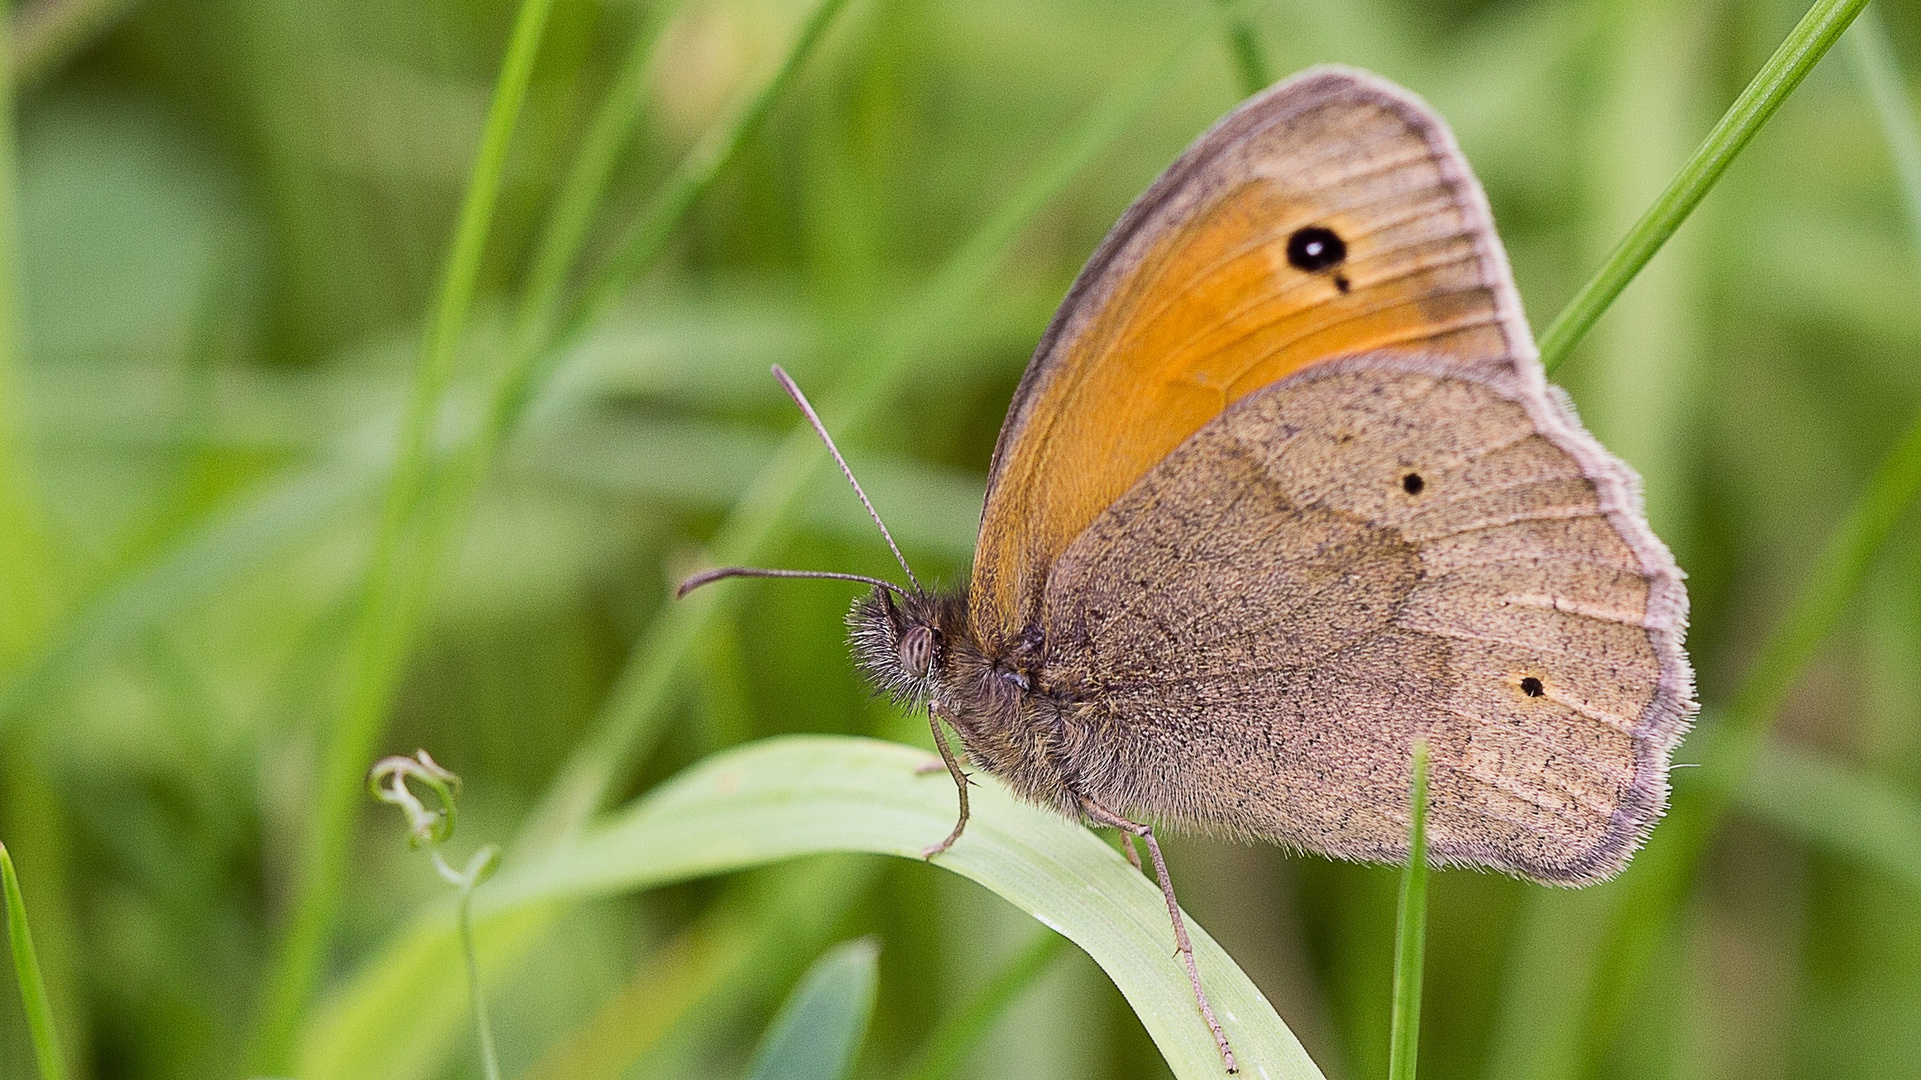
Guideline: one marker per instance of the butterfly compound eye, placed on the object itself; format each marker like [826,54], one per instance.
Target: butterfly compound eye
[1315,248]
[917,650]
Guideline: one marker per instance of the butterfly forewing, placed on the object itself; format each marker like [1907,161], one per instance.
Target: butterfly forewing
[1329,217]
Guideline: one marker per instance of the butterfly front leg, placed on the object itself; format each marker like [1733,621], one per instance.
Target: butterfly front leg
[960,783]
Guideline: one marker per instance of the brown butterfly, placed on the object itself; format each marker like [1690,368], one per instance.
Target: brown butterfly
[1283,490]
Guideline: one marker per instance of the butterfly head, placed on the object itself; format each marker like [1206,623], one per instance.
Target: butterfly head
[900,642]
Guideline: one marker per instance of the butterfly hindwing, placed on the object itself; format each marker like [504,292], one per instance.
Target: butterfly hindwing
[1368,552]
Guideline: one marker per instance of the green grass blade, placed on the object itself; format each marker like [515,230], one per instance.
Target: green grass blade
[1804,47]
[695,174]
[630,719]
[1244,46]
[957,1034]
[259,528]
[542,326]
[1410,933]
[26,968]
[537,339]
[1856,816]
[392,586]
[584,189]
[782,798]
[821,1024]
[1880,74]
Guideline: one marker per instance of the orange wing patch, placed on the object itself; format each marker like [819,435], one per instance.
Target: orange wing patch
[1192,302]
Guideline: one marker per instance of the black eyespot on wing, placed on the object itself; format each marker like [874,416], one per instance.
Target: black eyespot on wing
[1413,484]
[1316,248]
[1532,687]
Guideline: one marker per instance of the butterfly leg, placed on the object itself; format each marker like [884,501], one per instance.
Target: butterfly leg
[1101,815]
[960,785]
[1128,849]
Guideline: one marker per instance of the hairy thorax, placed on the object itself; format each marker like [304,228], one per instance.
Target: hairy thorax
[920,650]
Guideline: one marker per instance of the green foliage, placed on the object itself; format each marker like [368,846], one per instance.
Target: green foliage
[820,1025]
[233,236]
[26,972]
[1806,44]
[430,827]
[1410,933]
[782,798]
[961,1032]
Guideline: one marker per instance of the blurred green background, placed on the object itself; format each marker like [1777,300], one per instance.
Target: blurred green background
[232,215]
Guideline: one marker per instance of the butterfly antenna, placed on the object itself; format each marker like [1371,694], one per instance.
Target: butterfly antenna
[807,410]
[708,576]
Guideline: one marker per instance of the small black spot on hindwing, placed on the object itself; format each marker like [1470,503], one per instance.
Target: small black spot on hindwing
[1316,248]
[1413,484]
[1532,687]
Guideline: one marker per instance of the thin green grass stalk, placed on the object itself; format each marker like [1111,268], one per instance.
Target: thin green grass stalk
[1244,45]
[960,1032]
[534,338]
[1804,47]
[582,192]
[651,231]
[629,720]
[1864,530]
[26,968]
[483,1027]
[1636,915]
[390,592]
[542,328]
[1880,74]
[1410,933]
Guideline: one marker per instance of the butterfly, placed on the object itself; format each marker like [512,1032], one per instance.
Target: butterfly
[1284,490]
